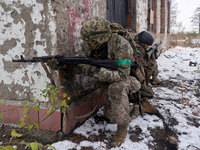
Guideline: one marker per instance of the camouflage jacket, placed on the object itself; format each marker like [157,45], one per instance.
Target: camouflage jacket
[141,56]
[116,48]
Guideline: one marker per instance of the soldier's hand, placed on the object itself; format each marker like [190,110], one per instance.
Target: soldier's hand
[93,71]
[135,65]
[53,64]
[77,70]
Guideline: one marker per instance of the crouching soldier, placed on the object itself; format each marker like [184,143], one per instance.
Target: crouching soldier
[99,42]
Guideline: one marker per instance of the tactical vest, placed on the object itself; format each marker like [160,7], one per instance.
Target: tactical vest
[117,29]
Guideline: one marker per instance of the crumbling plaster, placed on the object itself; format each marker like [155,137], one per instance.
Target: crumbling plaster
[40,28]
[26,28]
[142,14]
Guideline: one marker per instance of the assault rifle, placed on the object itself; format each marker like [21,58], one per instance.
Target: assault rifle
[74,60]
[153,49]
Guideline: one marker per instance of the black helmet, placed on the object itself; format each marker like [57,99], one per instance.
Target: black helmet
[146,37]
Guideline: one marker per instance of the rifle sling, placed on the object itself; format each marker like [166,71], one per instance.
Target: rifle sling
[90,113]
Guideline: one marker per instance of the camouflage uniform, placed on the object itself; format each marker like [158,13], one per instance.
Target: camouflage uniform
[145,69]
[103,41]
[118,85]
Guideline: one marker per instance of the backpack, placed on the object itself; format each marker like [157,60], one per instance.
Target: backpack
[118,29]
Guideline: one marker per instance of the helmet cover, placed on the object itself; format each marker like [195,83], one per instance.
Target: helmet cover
[96,29]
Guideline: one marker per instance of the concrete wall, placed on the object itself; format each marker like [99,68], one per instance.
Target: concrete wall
[142,14]
[38,28]
[28,28]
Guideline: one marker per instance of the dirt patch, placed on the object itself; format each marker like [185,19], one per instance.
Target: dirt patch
[41,136]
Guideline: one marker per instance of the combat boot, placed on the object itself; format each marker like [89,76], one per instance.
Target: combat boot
[155,80]
[135,112]
[119,136]
[146,107]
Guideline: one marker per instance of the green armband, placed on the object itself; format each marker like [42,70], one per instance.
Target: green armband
[137,50]
[124,62]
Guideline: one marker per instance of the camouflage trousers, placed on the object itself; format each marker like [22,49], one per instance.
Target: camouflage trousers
[139,74]
[117,108]
[151,72]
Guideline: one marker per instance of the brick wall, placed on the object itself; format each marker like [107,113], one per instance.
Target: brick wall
[154,7]
[162,16]
[128,23]
[169,15]
[13,112]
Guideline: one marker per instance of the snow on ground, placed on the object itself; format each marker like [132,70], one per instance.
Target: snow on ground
[176,102]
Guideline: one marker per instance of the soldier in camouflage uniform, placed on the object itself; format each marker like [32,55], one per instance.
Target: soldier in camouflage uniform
[99,42]
[145,39]
[148,65]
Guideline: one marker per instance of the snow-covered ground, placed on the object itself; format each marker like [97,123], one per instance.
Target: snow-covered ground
[178,103]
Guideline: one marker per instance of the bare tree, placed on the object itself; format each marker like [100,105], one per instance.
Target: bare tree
[173,15]
[195,19]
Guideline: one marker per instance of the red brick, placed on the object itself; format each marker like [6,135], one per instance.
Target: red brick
[76,113]
[34,116]
[13,114]
[84,108]
[68,121]
[55,121]
[5,113]
[44,119]
[21,115]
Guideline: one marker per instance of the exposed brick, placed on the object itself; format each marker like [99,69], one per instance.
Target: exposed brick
[34,116]
[44,119]
[84,108]
[55,121]
[21,115]
[68,121]
[13,114]
[162,13]
[5,113]
[76,113]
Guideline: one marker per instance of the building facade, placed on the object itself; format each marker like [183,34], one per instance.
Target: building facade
[52,27]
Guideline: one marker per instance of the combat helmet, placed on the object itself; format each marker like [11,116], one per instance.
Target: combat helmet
[146,37]
[96,29]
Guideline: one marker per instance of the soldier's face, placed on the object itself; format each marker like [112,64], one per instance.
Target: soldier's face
[147,46]
[89,42]
[92,45]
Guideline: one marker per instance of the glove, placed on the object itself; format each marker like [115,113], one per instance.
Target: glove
[77,70]
[53,64]
[135,65]
[93,71]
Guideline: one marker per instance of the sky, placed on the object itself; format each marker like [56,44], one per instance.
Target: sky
[177,103]
[186,9]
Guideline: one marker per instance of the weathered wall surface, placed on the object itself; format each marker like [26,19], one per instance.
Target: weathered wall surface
[142,13]
[50,27]
[69,16]
[38,28]
[28,28]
